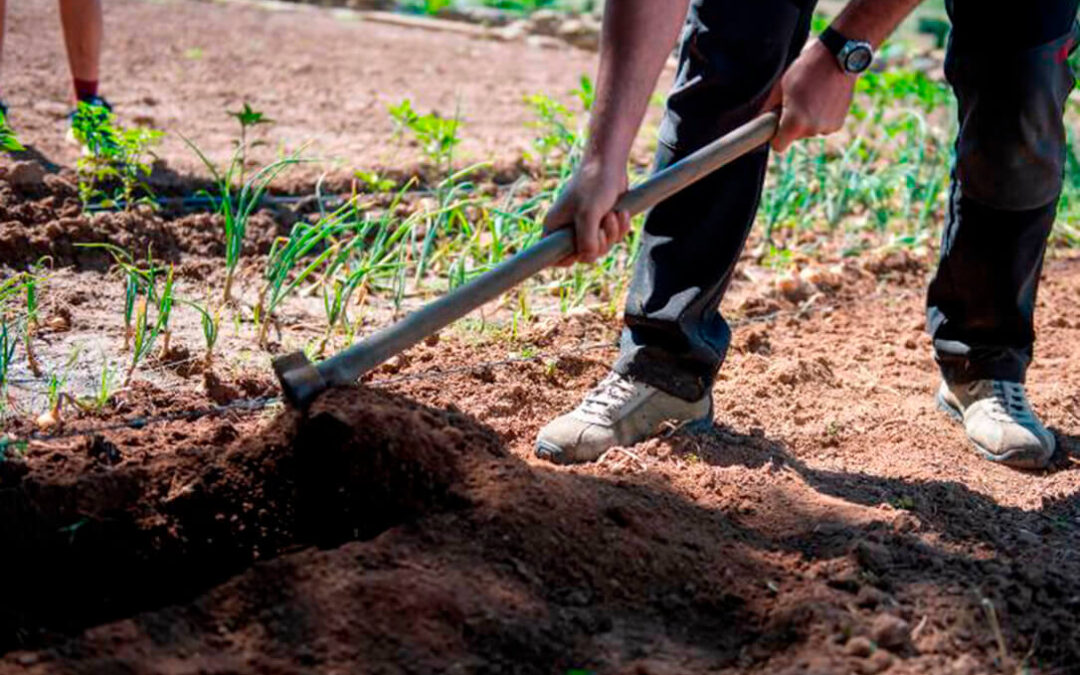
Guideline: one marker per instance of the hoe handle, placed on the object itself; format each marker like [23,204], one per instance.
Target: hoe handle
[349,365]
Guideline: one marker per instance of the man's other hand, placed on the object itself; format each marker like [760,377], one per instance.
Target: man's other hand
[815,94]
[587,204]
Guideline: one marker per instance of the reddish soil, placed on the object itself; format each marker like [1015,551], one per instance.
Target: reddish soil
[327,81]
[832,521]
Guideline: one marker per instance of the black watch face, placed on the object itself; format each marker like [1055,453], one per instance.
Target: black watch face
[858,60]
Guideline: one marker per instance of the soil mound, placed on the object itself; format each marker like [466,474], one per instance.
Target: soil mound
[102,532]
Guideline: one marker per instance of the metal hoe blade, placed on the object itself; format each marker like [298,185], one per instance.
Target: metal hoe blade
[302,382]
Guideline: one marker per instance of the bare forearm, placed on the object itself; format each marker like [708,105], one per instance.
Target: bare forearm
[873,20]
[637,38]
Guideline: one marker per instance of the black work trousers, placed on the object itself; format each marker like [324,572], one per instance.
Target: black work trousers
[1011,79]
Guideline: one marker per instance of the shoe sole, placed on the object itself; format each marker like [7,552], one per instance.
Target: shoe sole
[554,454]
[1018,459]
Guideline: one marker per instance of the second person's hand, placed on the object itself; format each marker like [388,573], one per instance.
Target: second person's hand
[587,204]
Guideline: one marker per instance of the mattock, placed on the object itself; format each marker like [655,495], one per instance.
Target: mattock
[302,381]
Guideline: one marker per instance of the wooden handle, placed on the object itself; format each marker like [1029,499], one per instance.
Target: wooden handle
[349,365]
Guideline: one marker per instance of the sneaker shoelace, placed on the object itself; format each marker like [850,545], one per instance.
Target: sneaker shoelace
[613,392]
[1008,402]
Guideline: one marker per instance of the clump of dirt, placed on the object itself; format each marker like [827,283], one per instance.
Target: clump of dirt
[48,220]
[107,528]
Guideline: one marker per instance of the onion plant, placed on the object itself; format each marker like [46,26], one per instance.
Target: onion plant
[210,322]
[235,195]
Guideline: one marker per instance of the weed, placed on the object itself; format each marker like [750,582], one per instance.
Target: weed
[114,155]
[374,182]
[437,135]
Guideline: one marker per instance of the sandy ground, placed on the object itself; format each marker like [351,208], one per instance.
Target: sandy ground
[179,66]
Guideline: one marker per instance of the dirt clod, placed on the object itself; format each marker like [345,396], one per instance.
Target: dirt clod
[890,631]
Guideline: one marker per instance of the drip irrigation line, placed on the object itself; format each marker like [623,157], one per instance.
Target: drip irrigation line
[254,405]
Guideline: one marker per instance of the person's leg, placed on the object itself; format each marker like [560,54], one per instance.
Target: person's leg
[1011,77]
[83,28]
[731,54]
[3,15]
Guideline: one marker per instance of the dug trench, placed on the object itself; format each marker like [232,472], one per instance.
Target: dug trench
[377,534]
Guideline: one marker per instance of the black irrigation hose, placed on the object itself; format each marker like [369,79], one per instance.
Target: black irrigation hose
[261,403]
[208,202]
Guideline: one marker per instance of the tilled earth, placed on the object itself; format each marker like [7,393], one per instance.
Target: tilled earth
[831,521]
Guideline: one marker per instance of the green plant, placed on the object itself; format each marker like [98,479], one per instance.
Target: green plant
[103,395]
[115,155]
[8,340]
[236,197]
[248,118]
[141,294]
[8,141]
[146,331]
[298,257]
[374,181]
[437,135]
[428,7]
[210,322]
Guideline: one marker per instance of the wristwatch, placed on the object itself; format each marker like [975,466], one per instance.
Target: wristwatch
[853,56]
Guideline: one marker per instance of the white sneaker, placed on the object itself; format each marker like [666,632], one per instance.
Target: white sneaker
[617,413]
[999,422]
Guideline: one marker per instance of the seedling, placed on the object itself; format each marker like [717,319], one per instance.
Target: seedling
[437,135]
[210,321]
[103,395]
[114,155]
[146,330]
[8,141]
[248,118]
[236,197]
[8,340]
[324,239]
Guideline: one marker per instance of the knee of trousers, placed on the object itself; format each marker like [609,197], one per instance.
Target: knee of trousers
[1010,153]
[731,53]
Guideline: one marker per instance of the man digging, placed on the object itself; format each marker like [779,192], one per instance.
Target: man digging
[1010,74]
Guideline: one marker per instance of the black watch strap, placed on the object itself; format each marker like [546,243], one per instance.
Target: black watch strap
[833,40]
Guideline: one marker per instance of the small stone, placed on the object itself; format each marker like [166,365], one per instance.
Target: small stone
[878,662]
[511,32]
[870,597]
[873,557]
[27,175]
[1028,537]
[545,22]
[890,632]
[965,665]
[859,646]
[791,286]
